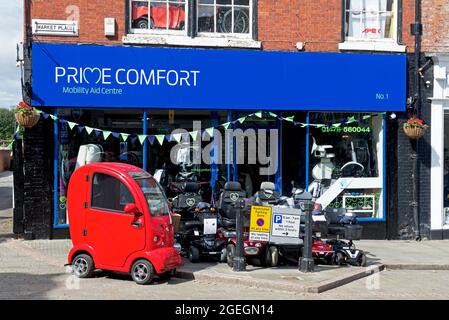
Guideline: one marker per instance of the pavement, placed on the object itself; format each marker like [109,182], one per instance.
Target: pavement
[396,269]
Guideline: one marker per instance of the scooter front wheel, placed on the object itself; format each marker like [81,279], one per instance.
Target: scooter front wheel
[230,253]
[194,254]
[224,255]
[362,260]
[272,256]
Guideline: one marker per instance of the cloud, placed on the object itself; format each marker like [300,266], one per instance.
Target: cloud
[11,32]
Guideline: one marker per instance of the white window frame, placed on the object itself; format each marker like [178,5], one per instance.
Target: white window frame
[166,31]
[372,44]
[216,34]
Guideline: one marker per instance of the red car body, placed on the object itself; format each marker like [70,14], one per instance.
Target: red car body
[176,15]
[115,240]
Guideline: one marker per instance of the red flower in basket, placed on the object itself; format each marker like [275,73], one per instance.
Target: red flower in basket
[415,128]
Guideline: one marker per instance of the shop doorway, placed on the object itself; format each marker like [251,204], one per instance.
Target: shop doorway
[257,157]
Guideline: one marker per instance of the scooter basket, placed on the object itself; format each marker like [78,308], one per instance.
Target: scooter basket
[353,232]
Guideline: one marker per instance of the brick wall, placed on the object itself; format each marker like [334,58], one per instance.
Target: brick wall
[90,14]
[435,25]
[281,23]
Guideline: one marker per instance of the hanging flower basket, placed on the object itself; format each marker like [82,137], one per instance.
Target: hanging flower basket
[415,128]
[26,116]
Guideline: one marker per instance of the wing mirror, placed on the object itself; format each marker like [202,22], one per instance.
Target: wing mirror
[131,208]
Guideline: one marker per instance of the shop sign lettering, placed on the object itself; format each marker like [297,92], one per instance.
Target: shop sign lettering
[75,77]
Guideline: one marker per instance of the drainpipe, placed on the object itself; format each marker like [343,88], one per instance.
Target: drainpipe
[416,29]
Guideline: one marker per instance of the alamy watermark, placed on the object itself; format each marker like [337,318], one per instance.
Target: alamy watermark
[252,146]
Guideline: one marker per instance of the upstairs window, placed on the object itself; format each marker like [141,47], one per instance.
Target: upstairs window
[216,18]
[160,15]
[224,16]
[370,19]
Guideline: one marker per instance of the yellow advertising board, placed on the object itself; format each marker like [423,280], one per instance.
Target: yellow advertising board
[260,219]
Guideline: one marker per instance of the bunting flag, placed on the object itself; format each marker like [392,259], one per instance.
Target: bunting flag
[71,124]
[124,136]
[160,138]
[194,134]
[142,138]
[177,137]
[351,119]
[168,137]
[106,134]
[89,130]
[210,131]
[116,135]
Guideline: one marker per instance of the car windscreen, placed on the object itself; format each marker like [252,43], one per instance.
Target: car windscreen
[157,202]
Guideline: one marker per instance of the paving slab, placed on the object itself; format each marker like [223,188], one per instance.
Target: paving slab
[408,255]
[283,278]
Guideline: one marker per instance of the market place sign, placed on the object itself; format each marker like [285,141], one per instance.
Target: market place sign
[66,28]
[67,75]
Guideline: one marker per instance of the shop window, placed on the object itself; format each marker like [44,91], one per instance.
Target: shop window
[370,19]
[213,17]
[103,186]
[346,162]
[77,147]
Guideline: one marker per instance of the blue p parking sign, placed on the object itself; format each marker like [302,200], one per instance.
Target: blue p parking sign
[277,218]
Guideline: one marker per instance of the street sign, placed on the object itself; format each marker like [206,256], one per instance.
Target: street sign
[260,223]
[285,226]
[65,28]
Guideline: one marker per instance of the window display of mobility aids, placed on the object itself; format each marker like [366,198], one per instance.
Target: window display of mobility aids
[347,164]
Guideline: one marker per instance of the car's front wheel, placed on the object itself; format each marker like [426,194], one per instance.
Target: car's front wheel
[83,265]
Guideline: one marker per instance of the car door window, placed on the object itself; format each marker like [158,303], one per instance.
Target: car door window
[109,193]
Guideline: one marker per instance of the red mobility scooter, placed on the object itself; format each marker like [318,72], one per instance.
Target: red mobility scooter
[120,221]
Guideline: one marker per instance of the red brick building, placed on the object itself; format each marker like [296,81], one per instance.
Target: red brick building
[372,39]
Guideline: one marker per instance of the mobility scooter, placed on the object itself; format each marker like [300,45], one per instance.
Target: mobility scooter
[202,235]
[120,221]
[197,235]
[252,249]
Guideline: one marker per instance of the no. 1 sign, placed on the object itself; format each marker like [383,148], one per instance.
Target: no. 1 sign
[260,223]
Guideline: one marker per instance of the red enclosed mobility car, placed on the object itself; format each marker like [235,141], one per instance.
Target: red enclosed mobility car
[120,221]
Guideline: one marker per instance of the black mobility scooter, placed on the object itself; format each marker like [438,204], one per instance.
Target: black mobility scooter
[343,225]
[197,234]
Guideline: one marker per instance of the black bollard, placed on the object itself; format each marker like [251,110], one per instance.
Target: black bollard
[306,263]
[239,261]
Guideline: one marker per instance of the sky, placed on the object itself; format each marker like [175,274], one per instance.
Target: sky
[11,20]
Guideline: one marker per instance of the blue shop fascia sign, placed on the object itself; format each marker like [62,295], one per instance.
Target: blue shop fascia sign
[138,77]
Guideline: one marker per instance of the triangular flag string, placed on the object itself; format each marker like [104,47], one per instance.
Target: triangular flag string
[194,134]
